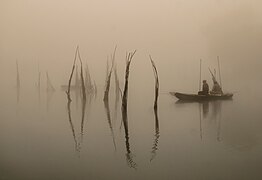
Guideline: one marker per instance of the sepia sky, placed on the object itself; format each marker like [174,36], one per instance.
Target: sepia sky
[177,33]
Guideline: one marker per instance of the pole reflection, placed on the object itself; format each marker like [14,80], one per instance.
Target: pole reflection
[129,155]
[214,116]
[72,126]
[108,114]
[157,136]
[78,140]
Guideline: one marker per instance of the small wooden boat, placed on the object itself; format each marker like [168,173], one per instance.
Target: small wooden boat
[216,95]
[196,97]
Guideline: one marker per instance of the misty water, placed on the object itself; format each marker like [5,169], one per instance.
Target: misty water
[42,136]
[41,139]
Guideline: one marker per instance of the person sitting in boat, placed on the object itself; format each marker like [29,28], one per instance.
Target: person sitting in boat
[205,88]
[216,88]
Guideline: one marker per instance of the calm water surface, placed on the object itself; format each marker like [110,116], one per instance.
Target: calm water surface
[41,139]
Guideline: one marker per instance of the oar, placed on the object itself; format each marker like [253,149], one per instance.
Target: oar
[212,73]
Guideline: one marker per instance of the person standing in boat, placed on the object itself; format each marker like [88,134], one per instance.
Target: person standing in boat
[205,88]
[216,88]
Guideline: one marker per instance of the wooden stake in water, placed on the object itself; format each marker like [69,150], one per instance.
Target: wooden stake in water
[71,75]
[82,77]
[108,76]
[131,163]
[156,82]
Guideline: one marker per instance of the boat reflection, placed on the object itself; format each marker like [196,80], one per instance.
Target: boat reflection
[218,121]
[209,112]
[205,108]
[214,116]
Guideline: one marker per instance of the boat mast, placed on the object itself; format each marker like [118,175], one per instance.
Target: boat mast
[218,62]
[200,75]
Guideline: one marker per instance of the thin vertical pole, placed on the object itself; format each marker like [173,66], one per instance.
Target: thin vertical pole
[219,71]
[200,75]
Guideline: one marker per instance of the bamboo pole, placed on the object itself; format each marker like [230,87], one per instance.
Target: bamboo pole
[200,74]
[129,57]
[108,78]
[157,135]
[88,81]
[129,158]
[116,83]
[82,77]
[156,82]
[71,75]
[218,62]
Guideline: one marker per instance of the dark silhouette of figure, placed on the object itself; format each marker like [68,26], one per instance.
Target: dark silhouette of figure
[205,89]
[216,88]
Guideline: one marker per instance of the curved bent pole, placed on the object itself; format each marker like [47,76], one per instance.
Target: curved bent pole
[157,134]
[129,156]
[108,114]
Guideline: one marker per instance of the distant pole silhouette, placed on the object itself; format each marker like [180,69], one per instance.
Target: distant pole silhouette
[200,75]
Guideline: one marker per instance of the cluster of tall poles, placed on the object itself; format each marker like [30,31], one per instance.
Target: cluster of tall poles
[111,67]
[88,88]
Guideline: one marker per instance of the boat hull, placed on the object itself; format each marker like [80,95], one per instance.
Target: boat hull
[196,97]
